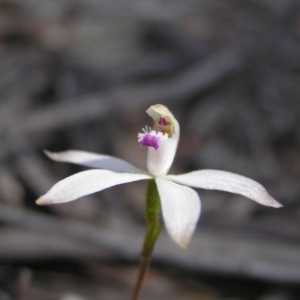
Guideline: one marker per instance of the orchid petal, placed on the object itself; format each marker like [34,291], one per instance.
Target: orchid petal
[85,183]
[159,161]
[180,208]
[94,160]
[226,181]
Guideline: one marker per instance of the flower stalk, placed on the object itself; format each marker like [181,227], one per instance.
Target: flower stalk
[153,223]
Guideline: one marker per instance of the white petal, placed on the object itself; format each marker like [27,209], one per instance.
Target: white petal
[226,181]
[180,208]
[94,160]
[85,183]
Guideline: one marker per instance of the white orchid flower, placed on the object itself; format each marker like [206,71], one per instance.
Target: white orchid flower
[179,203]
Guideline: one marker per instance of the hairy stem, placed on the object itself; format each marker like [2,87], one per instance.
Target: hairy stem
[153,223]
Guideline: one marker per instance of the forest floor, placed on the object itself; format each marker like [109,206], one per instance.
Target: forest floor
[80,75]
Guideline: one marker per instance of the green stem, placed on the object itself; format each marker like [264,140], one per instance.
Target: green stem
[153,223]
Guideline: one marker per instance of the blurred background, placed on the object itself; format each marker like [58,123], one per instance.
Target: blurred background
[80,74]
